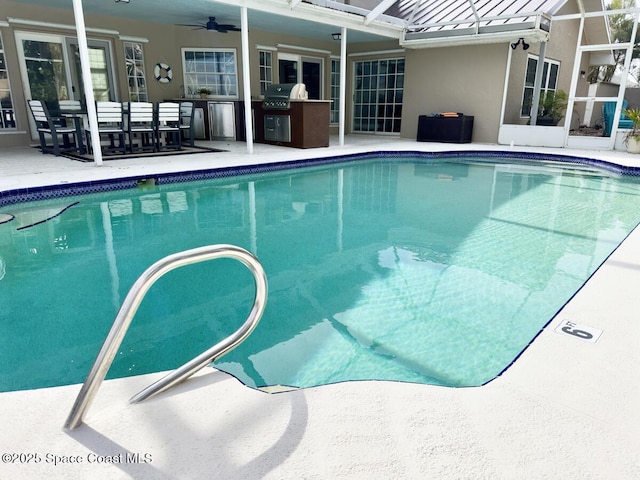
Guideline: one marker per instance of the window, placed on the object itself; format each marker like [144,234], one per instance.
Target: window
[266,70]
[7,116]
[214,69]
[549,82]
[335,91]
[134,61]
[100,66]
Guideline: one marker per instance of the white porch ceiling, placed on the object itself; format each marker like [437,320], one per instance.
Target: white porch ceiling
[263,15]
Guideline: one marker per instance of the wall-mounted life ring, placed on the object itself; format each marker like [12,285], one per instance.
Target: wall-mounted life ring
[163,72]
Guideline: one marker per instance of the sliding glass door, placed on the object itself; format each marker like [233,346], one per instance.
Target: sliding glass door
[378,92]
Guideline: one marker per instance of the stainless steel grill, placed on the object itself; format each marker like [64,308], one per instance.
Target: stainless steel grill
[277,96]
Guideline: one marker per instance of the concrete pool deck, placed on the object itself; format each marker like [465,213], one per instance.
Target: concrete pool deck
[567,408]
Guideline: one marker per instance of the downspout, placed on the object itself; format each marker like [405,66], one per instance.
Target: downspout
[246,78]
[574,77]
[86,79]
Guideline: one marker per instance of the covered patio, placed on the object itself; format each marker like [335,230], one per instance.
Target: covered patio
[398,29]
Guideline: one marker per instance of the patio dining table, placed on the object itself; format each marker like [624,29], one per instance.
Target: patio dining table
[79,118]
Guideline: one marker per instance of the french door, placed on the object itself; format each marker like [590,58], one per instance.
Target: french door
[378,91]
[51,65]
[299,69]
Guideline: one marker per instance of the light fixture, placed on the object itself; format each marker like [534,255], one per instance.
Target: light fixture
[122,1]
[336,36]
[525,45]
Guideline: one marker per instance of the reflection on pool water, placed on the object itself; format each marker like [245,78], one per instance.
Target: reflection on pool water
[411,270]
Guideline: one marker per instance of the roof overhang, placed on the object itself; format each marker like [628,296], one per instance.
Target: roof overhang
[533,27]
[320,14]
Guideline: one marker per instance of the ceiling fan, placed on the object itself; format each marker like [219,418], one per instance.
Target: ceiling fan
[214,26]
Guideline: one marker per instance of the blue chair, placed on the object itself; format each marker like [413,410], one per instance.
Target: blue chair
[608,111]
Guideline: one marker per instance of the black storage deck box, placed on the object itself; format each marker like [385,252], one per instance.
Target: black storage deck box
[445,129]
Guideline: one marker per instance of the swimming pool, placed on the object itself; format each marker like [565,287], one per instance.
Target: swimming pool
[407,269]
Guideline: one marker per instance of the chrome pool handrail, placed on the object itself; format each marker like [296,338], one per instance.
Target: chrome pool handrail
[130,306]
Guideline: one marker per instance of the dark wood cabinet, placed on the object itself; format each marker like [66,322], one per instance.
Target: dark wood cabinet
[309,123]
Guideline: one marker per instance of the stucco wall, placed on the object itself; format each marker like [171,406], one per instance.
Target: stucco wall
[466,79]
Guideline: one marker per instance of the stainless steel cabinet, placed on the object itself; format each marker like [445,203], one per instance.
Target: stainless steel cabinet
[222,121]
[277,128]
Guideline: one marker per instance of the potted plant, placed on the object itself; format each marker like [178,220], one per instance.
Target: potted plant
[552,107]
[204,92]
[632,139]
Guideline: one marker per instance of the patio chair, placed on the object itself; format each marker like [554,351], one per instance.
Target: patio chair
[608,111]
[53,126]
[71,107]
[110,124]
[186,121]
[167,125]
[141,124]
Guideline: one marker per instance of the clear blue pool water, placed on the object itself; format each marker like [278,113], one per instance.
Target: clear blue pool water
[411,270]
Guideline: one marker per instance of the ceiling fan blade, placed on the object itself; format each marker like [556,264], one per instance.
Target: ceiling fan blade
[228,26]
[213,26]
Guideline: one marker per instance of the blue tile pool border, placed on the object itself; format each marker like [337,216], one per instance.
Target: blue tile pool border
[30,194]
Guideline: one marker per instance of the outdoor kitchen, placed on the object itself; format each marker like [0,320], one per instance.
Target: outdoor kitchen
[288,118]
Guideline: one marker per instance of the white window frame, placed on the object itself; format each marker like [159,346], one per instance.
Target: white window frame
[544,88]
[266,71]
[7,116]
[366,104]
[194,80]
[136,83]
[334,94]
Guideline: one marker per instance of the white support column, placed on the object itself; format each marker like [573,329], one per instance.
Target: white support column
[624,76]
[575,75]
[86,79]
[246,78]
[537,83]
[343,84]
[507,74]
